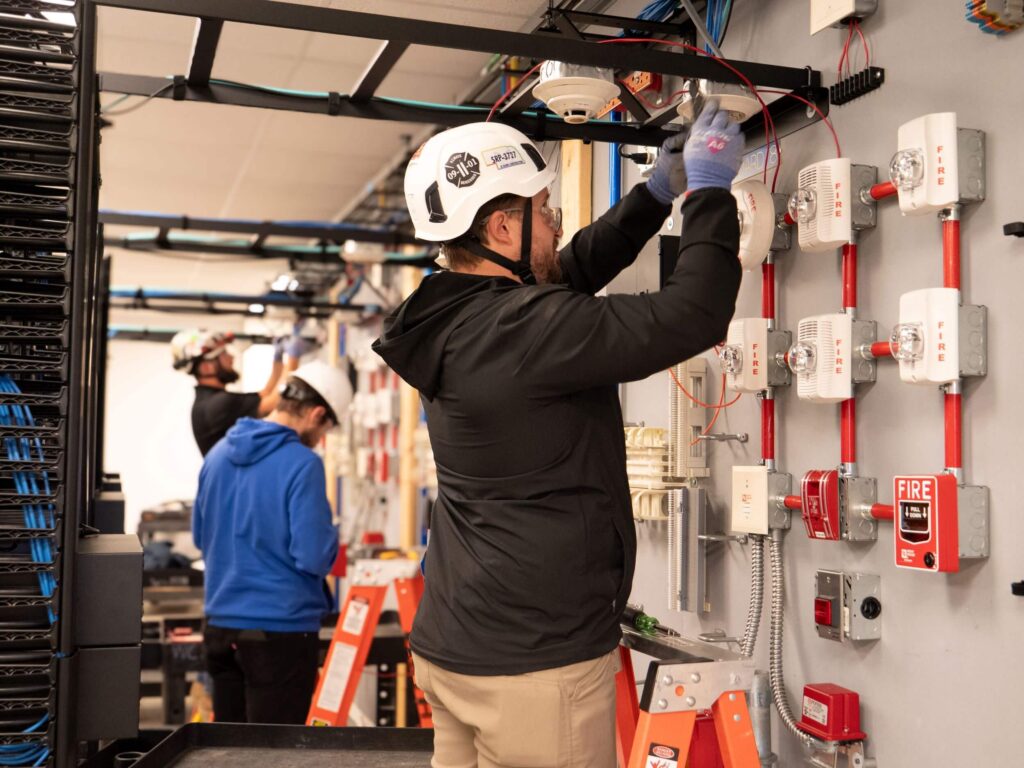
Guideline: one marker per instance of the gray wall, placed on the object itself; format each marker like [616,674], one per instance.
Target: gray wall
[939,688]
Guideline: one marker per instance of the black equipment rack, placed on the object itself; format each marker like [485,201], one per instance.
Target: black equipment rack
[47,367]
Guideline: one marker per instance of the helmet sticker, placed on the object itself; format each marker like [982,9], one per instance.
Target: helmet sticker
[462,169]
[503,157]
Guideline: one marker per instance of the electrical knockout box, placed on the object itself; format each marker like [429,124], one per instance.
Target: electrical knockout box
[749,357]
[937,165]
[847,606]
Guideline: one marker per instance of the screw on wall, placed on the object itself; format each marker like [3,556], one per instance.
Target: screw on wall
[1015,228]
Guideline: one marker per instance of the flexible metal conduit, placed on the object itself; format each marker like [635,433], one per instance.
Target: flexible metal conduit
[756,596]
[775,639]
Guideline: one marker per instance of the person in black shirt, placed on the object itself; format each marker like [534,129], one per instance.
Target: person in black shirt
[205,355]
[517,361]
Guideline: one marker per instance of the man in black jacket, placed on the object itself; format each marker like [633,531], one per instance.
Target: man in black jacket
[532,545]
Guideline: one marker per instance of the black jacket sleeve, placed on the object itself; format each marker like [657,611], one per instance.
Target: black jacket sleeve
[599,251]
[574,342]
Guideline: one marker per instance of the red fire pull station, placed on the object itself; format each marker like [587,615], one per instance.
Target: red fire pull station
[831,713]
[819,495]
[926,524]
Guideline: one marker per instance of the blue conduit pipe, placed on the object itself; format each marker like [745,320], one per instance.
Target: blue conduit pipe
[614,167]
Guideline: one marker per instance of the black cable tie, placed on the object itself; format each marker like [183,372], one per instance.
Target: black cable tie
[333,103]
[179,88]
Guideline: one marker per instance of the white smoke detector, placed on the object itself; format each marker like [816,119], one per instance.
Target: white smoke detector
[757,221]
[575,92]
[734,99]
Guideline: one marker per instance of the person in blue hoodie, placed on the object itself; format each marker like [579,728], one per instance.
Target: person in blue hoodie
[263,522]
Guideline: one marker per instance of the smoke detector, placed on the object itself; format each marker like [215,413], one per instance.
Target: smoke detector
[734,99]
[757,221]
[575,92]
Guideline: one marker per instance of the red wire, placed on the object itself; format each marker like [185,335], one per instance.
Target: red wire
[864,40]
[812,105]
[643,100]
[697,402]
[846,52]
[714,418]
[511,90]
[771,136]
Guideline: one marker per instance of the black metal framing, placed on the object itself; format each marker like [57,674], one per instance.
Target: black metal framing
[204,50]
[540,127]
[431,33]
[332,233]
[141,299]
[384,60]
[399,33]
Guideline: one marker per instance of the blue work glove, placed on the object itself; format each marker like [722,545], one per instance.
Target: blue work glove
[668,179]
[279,348]
[714,151]
[296,347]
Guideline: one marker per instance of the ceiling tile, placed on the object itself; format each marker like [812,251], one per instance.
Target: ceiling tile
[203,125]
[340,135]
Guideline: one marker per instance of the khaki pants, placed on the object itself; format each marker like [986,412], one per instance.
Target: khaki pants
[555,718]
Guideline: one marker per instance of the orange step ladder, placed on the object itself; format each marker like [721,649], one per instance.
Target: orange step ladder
[691,715]
[350,645]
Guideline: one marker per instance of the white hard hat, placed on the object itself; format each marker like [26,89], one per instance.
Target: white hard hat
[190,346]
[457,171]
[328,381]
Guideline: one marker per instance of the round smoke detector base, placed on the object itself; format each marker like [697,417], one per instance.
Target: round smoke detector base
[740,106]
[575,99]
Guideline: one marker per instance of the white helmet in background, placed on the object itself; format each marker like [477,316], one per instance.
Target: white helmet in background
[455,172]
[329,382]
[193,345]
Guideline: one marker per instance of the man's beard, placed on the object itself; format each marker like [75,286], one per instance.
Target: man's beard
[226,375]
[547,269]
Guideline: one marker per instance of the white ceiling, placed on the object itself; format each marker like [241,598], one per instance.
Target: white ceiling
[225,161]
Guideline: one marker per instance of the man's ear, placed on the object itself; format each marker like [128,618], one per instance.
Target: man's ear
[498,229]
[318,414]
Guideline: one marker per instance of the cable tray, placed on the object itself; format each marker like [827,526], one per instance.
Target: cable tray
[36,139]
[40,331]
[31,265]
[36,172]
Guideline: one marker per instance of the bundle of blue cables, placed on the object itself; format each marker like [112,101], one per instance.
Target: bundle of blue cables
[29,753]
[37,516]
[716,19]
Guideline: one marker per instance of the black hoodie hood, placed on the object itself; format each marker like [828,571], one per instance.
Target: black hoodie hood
[414,336]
